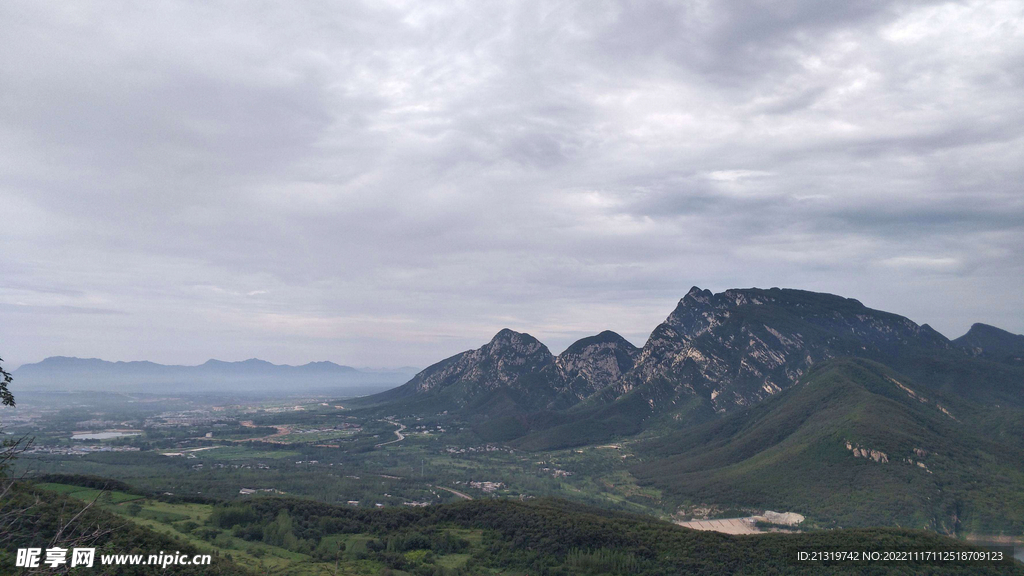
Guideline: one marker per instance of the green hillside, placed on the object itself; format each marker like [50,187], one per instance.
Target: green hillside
[33,516]
[853,444]
[286,536]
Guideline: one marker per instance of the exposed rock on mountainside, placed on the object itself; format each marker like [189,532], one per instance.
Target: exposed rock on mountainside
[741,346]
[875,455]
[514,365]
[515,373]
[593,363]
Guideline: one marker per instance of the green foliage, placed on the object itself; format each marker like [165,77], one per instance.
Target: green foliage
[279,532]
[42,515]
[6,397]
[228,516]
[602,561]
[543,537]
[87,481]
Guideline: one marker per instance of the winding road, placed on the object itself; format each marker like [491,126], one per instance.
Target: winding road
[398,433]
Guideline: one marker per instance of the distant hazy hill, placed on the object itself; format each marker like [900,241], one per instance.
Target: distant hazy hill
[72,374]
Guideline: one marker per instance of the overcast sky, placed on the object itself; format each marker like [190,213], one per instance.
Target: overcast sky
[390,183]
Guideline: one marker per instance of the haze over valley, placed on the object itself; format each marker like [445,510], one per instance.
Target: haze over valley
[533,288]
[746,411]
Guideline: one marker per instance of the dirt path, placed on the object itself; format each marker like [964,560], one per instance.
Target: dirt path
[456,492]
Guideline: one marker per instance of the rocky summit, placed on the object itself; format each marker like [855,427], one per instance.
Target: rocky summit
[738,347]
[989,342]
[515,373]
[594,363]
[512,364]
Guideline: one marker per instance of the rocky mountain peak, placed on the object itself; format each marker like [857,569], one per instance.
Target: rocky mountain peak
[986,341]
[595,362]
[740,346]
[510,341]
[697,295]
[980,330]
[604,339]
[514,367]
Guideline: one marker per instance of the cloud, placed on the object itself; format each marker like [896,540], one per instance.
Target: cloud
[390,183]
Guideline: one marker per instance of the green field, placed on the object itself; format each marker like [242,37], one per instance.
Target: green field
[91,494]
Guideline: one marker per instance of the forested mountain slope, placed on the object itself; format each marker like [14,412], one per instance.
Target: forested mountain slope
[854,443]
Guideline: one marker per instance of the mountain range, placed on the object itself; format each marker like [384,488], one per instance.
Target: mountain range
[62,373]
[768,398]
[715,353]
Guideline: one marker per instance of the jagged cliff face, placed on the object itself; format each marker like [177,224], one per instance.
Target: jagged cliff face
[594,363]
[521,371]
[738,347]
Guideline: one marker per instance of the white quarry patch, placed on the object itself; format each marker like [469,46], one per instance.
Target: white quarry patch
[724,525]
[747,525]
[784,518]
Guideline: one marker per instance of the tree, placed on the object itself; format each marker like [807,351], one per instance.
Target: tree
[6,398]
[9,449]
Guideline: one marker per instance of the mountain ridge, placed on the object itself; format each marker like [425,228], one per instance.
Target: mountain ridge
[713,354]
[70,373]
[70,360]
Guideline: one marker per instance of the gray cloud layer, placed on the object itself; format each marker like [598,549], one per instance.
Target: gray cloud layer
[392,182]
